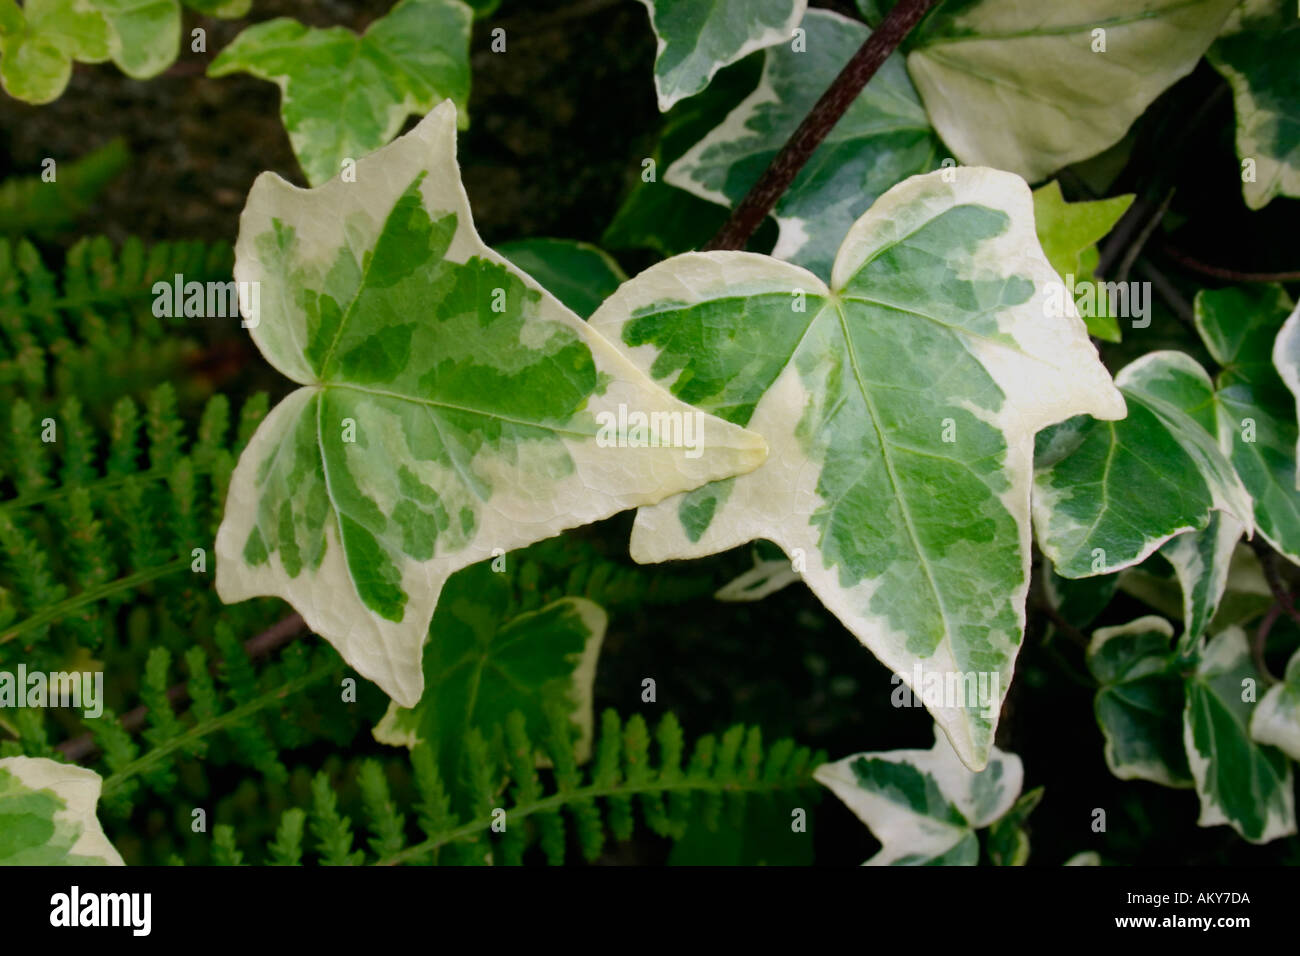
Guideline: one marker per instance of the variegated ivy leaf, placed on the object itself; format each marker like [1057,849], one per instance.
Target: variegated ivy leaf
[1257,55]
[772,571]
[656,215]
[1108,494]
[39,41]
[883,138]
[577,273]
[449,407]
[1201,560]
[924,806]
[1008,842]
[142,37]
[145,35]
[1144,685]
[1084,858]
[1286,359]
[1030,86]
[344,95]
[900,403]
[1241,782]
[699,37]
[1255,413]
[1245,596]
[1139,700]
[1079,600]
[1069,232]
[486,660]
[47,815]
[1276,720]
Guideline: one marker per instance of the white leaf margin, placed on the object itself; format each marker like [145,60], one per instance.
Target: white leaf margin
[1065,378]
[604,481]
[1286,359]
[79,790]
[904,833]
[668,97]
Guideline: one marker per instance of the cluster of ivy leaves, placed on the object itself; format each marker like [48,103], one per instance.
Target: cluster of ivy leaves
[894,395]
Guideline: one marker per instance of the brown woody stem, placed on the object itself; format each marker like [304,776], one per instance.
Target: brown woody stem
[776,179]
[1219,272]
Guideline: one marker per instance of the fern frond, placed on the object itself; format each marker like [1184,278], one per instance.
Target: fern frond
[226,722]
[28,727]
[332,830]
[572,566]
[31,579]
[87,521]
[253,743]
[433,807]
[224,851]
[250,738]
[386,825]
[120,753]
[632,768]
[163,725]
[607,777]
[92,328]
[30,206]
[587,822]
[287,848]
[205,701]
